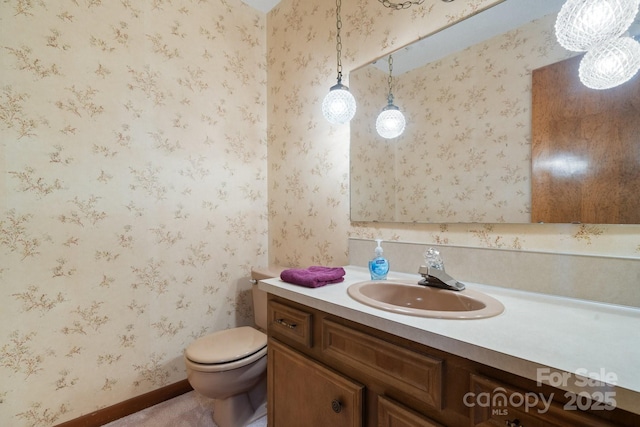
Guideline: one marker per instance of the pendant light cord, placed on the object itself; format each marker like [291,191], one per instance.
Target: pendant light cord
[390,80]
[338,39]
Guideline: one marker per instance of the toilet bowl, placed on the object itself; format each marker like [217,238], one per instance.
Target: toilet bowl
[230,366]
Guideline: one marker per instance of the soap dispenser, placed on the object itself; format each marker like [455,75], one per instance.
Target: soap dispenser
[379,266]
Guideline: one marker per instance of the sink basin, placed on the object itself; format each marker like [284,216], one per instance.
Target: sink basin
[407,297]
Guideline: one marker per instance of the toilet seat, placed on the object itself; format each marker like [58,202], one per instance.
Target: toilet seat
[227,349]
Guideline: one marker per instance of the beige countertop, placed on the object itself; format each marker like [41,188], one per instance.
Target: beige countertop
[559,341]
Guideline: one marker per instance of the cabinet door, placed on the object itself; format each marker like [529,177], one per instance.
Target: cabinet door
[304,393]
[393,414]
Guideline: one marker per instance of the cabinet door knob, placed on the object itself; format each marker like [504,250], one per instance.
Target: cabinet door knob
[336,406]
[514,423]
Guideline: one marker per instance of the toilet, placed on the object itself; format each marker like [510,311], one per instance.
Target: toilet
[230,366]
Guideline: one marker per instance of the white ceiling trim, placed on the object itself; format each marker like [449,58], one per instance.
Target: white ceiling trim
[262,5]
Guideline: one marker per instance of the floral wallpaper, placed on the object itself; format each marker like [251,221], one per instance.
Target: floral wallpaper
[309,206]
[466,154]
[133,193]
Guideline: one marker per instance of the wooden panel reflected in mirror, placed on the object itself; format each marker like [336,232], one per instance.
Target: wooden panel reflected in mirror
[585,149]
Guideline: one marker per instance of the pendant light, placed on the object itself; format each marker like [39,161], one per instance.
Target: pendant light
[584,24]
[610,64]
[390,122]
[339,106]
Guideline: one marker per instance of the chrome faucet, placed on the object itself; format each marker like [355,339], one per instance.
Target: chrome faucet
[434,275]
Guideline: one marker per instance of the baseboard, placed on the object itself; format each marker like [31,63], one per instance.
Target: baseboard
[130,406]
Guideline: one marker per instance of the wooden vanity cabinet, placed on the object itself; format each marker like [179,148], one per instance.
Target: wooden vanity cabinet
[324,370]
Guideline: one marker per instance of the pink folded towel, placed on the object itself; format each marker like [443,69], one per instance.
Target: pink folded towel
[313,277]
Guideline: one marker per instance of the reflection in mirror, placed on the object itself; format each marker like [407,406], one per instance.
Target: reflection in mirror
[585,149]
[465,155]
[390,122]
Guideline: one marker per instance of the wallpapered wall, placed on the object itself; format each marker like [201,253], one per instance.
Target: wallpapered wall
[309,158]
[466,154]
[133,193]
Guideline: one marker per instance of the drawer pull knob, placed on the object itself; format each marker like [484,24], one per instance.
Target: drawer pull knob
[514,423]
[286,324]
[336,406]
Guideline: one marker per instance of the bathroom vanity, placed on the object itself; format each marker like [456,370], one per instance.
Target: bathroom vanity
[334,361]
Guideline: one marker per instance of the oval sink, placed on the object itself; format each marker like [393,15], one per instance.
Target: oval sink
[417,300]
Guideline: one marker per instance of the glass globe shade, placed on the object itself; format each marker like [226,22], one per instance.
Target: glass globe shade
[390,122]
[584,24]
[339,106]
[610,64]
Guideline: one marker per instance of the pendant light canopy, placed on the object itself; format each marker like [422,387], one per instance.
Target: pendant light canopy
[406,4]
[584,24]
[390,122]
[610,64]
[339,105]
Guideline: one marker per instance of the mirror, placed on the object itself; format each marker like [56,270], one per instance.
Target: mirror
[465,155]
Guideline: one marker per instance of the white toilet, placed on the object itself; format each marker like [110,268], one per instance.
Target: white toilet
[230,366]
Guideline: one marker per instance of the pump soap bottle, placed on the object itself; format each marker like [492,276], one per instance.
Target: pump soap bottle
[379,266]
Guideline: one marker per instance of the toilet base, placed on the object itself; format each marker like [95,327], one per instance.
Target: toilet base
[241,409]
[260,412]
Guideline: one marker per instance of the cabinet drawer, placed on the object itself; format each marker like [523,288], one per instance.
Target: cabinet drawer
[291,323]
[302,392]
[412,373]
[394,414]
[494,403]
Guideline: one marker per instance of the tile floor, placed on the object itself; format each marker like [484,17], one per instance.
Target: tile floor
[187,410]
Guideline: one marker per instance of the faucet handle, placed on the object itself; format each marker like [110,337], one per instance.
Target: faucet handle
[433,259]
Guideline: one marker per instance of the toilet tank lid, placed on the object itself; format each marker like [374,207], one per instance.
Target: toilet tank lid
[263,273]
[226,346]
